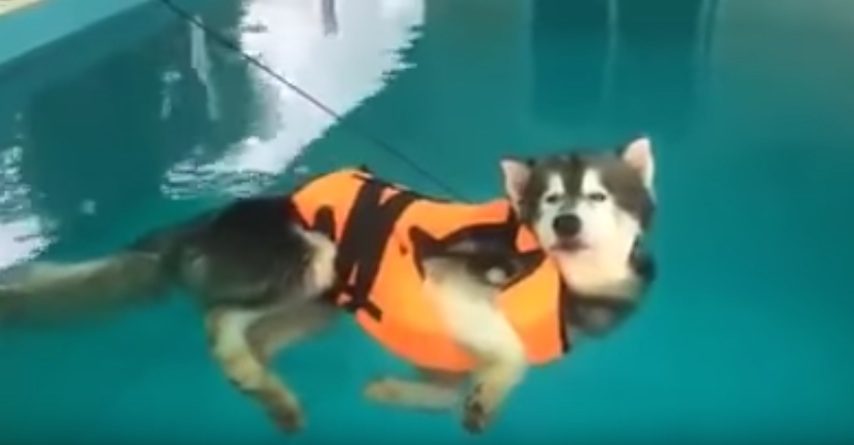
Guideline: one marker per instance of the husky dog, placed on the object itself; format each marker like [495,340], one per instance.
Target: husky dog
[259,276]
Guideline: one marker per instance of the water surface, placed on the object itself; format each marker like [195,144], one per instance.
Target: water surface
[743,340]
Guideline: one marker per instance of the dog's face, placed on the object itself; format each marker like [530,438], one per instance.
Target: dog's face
[588,211]
[584,201]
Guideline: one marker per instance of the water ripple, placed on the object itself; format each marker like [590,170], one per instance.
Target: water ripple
[22,232]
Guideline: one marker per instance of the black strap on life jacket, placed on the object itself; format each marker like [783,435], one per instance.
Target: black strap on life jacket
[495,241]
[363,242]
[365,234]
[563,316]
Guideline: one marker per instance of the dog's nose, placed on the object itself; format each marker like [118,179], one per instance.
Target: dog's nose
[567,225]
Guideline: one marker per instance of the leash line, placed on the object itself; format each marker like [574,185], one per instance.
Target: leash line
[254,61]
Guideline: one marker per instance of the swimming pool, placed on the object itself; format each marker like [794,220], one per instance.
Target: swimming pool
[744,339]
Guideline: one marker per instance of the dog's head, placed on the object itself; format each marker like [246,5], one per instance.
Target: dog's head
[589,212]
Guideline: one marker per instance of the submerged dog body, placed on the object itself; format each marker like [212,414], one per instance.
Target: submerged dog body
[269,271]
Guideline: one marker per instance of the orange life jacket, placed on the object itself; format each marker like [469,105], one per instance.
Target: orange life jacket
[378,228]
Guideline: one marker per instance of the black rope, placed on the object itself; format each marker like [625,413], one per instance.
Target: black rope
[228,44]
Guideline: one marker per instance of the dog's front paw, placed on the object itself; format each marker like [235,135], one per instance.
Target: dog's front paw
[476,414]
[290,420]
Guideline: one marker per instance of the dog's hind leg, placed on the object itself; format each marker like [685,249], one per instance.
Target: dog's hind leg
[283,328]
[42,290]
[242,341]
[435,391]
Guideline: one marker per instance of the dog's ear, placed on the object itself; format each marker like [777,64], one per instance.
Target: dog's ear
[517,173]
[638,154]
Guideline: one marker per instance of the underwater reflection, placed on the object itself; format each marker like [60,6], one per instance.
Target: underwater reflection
[621,65]
[339,52]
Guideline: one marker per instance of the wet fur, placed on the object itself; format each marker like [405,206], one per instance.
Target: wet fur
[258,276]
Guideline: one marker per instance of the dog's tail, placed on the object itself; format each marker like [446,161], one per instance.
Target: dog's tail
[58,290]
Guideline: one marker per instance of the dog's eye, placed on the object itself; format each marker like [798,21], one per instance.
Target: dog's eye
[597,196]
[552,199]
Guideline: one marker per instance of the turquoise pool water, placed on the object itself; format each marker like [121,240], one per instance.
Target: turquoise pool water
[746,337]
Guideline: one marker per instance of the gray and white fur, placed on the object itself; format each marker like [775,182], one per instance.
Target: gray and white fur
[258,278]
